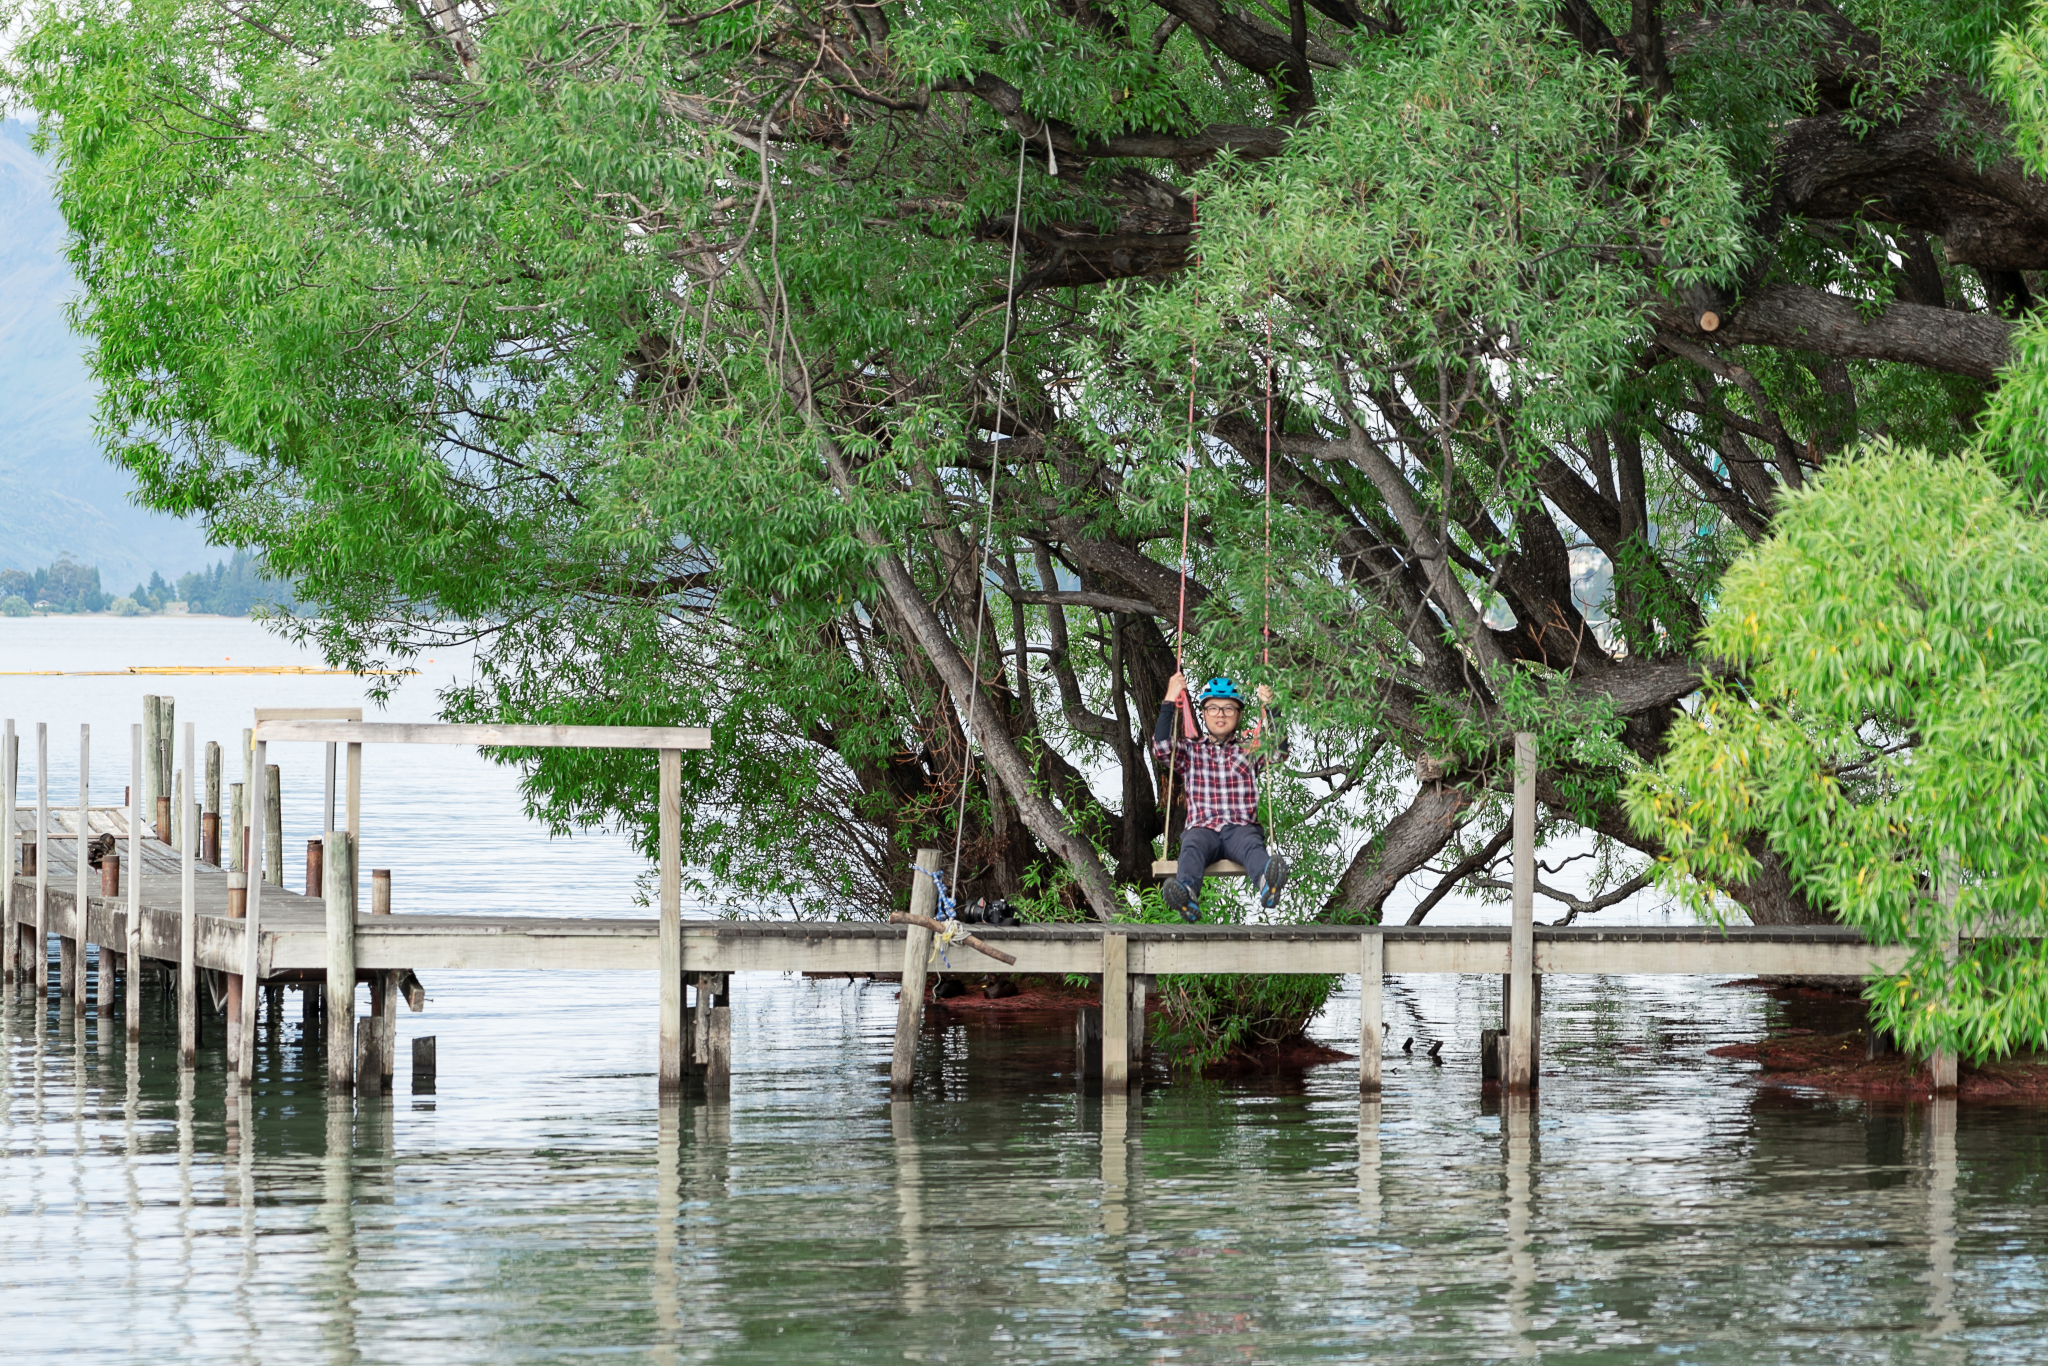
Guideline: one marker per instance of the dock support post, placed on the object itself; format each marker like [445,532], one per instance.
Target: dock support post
[132,1014]
[252,933]
[273,826]
[384,990]
[341,960]
[670,797]
[10,933]
[718,1063]
[81,895]
[1372,973]
[188,949]
[212,795]
[917,947]
[1141,988]
[1521,1022]
[41,965]
[1943,1064]
[238,909]
[1116,1012]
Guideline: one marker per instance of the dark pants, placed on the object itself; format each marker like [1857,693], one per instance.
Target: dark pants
[1201,846]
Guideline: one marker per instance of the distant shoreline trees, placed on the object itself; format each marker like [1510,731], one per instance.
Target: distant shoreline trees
[231,588]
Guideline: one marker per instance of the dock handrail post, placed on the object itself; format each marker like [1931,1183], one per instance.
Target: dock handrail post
[1372,973]
[10,933]
[327,810]
[1116,1012]
[132,1006]
[671,856]
[41,966]
[1521,1020]
[252,933]
[341,960]
[81,895]
[355,804]
[188,944]
[917,947]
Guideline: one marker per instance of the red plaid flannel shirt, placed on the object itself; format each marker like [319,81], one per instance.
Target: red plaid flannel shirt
[1221,780]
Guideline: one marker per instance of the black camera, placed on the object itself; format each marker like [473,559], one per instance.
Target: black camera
[984,912]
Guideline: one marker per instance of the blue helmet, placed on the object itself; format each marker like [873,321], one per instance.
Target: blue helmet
[1223,689]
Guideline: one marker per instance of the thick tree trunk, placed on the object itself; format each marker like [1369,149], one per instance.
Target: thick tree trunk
[1406,842]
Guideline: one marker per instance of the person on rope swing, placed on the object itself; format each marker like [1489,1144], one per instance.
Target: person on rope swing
[1221,778]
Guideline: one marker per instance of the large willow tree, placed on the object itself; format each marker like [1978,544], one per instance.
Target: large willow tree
[675,351]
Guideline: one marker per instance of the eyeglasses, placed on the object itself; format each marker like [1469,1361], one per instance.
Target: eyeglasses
[1220,709]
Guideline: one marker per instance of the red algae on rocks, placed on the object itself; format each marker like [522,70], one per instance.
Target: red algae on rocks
[1839,1064]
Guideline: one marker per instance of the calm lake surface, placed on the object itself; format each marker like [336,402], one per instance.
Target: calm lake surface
[1652,1205]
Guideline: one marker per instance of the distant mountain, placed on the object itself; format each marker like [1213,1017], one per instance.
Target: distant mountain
[60,492]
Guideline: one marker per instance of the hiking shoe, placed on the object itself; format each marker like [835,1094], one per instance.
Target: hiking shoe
[1176,894]
[1271,881]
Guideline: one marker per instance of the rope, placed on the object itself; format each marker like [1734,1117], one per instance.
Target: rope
[989,525]
[1187,475]
[1266,589]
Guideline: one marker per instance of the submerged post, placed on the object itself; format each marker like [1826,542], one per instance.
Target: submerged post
[917,946]
[1116,1012]
[1521,1022]
[341,960]
[132,1015]
[1372,974]
[671,856]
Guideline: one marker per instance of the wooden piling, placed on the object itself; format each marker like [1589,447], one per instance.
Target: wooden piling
[314,879]
[669,1069]
[209,837]
[10,934]
[1116,1012]
[273,826]
[1141,989]
[1372,976]
[718,1065]
[81,827]
[41,964]
[238,909]
[1942,1066]
[163,820]
[212,798]
[1521,1022]
[238,843]
[341,959]
[384,989]
[252,940]
[1088,1041]
[188,946]
[423,1065]
[152,752]
[369,1055]
[133,947]
[917,947]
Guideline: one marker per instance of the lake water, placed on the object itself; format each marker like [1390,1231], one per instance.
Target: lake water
[1652,1205]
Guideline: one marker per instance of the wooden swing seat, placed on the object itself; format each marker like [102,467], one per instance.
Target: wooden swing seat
[1222,867]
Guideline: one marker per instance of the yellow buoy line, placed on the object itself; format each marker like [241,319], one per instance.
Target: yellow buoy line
[202,669]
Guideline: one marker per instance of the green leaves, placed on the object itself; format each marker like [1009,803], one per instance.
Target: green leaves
[1887,711]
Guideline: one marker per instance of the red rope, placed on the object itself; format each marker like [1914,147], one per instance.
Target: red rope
[1187,475]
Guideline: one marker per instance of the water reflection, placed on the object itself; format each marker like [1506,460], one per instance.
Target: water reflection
[551,1205]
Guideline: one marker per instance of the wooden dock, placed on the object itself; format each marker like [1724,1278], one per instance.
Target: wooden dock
[184,914]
